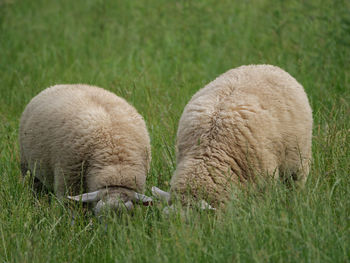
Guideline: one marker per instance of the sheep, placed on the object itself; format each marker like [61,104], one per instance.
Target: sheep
[251,122]
[80,138]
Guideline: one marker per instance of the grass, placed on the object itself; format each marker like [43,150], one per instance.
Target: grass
[157,55]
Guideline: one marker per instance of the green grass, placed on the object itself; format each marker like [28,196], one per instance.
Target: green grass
[157,54]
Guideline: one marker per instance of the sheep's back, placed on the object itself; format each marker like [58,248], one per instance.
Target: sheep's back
[72,125]
[245,122]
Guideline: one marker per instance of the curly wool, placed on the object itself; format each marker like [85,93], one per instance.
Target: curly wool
[251,121]
[82,138]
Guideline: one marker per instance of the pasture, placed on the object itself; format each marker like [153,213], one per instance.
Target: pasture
[157,54]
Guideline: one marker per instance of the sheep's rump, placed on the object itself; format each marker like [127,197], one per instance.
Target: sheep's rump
[251,121]
[83,138]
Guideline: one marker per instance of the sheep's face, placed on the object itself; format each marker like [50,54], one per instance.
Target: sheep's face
[117,199]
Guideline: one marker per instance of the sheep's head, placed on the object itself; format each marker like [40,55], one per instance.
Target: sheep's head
[117,199]
[166,197]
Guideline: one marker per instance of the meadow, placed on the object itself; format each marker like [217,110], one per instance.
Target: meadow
[157,54]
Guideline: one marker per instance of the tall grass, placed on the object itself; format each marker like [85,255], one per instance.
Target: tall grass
[157,54]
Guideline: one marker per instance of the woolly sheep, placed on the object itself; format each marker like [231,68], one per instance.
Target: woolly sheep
[251,121]
[83,138]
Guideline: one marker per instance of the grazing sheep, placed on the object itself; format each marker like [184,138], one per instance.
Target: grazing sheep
[249,123]
[76,138]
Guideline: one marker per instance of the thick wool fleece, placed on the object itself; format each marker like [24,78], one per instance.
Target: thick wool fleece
[78,138]
[251,121]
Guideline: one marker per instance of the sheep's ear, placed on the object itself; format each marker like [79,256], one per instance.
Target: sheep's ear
[165,196]
[144,199]
[87,197]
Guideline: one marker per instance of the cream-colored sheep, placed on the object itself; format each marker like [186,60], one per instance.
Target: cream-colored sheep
[78,138]
[250,122]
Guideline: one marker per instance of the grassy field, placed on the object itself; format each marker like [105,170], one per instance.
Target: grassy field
[157,54]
